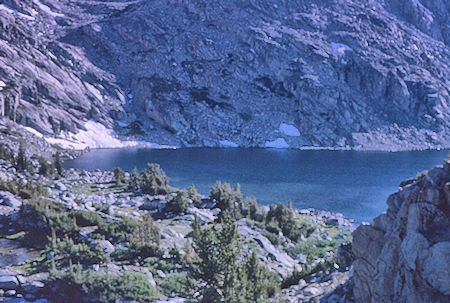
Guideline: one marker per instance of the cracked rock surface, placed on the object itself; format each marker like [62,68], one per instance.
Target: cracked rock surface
[360,74]
[400,256]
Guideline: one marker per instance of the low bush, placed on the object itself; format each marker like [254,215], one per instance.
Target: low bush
[85,218]
[90,286]
[118,231]
[175,284]
[45,219]
[67,252]
[295,277]
[314,248]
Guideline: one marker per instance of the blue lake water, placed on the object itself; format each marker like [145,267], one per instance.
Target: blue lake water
[353,183]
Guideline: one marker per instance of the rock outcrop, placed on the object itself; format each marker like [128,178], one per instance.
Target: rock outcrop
[342,73]
[403,255]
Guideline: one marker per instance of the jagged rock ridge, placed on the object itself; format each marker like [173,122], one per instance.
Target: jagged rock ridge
[364,74]
[403,255]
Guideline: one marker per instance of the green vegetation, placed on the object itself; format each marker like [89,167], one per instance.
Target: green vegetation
[26,190]
[85,218]
[174,284]
[21,162]
[193,194]
[6,153]
[217,267]
[47,219]
[58,164]
[178,204]
[219,276]
[312,248]
[77,285]
[296,275]
[283,217]
[66,252]
[133,183]
[227,198]
[45,168]
[119,176]
[153,180]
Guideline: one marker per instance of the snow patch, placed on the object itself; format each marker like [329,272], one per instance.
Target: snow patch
[122,124]
[289,130]
[47,9]
[33,131]
[340,48]
[227,143]
[13,11]
[97,135]
[278,143]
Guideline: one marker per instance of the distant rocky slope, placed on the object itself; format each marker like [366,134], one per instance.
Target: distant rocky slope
[362,74]
[404,255]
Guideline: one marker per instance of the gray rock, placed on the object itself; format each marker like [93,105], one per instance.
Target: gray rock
[311,291]
[152,204]
[105,245]
[401,256]
[8,199]
[60,186]
[236,80]
[10,293]
[33,287]
[9,282]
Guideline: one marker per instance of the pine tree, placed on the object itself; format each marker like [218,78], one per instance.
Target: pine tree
[255,275]
[193,194]
[218,249]
[21,160]
[133,183]
[178,204]
[58,164]
[153,180]
[45,168]
[119,176]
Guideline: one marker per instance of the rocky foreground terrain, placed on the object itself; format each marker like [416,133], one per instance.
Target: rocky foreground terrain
[63,236]
[371,74]
[68,235]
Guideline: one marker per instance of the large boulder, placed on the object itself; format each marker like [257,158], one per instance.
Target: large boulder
[9,282]
[8,199]
[105,245]
[403,255]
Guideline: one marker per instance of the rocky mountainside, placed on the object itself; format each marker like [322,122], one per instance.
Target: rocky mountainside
[362,74]
[404,255]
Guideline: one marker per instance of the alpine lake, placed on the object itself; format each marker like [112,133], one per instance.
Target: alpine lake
[354,183]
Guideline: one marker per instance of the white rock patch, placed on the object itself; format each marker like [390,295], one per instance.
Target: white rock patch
[340,48]
[278,143]
[289,130]
[13,11]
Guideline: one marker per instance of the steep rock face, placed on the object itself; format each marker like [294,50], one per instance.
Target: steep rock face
[45,84]
[364,74]
[404,255]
